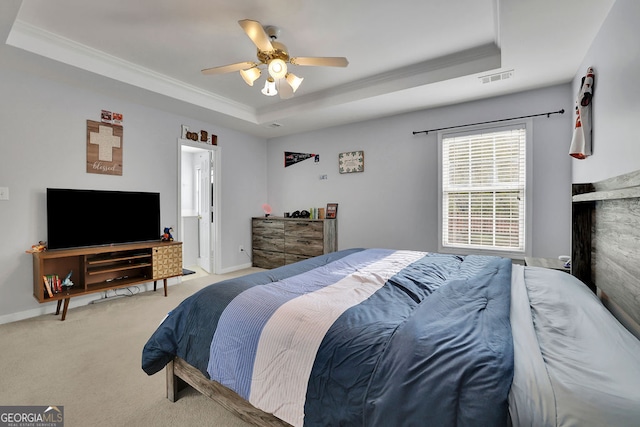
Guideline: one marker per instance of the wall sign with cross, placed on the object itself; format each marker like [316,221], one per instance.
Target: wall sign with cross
[104,148]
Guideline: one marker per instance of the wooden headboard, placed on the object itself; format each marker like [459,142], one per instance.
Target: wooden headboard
[605,252]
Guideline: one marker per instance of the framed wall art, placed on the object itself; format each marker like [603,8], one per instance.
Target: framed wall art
[332,210]
[104,148]
[351,161]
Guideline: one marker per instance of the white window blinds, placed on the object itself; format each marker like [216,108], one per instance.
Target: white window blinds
[483,190]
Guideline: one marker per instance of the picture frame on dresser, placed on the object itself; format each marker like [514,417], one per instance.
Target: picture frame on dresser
[332,211]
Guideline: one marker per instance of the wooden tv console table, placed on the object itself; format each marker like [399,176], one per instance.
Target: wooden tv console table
[103,268]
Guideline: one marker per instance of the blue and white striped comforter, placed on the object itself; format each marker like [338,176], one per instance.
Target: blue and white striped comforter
[360,337]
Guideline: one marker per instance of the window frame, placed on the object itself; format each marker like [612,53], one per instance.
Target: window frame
[489,128]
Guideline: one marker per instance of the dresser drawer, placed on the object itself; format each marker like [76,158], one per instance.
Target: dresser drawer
[266,225]
[304,238]
[302,246]
[267,259]
[291,258]
[304,229]
[268,235]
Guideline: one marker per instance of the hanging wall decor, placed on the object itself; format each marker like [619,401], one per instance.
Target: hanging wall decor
[104,148]
[581,142]
[351,161]
[293,158]
[202,136]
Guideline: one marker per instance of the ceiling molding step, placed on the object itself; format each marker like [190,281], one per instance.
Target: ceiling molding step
[49,45]
[464,63]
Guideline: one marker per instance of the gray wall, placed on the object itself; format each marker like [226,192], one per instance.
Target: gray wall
[615,57]
[393,203]
[42,144]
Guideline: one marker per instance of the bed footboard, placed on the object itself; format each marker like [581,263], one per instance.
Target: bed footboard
[180,373]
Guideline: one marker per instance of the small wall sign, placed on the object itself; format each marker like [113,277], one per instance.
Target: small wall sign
[351,161]
[104,148]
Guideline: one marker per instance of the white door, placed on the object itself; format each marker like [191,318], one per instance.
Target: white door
[199,194]
[204,190]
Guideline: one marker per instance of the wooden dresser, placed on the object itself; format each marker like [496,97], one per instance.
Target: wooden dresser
[279,241]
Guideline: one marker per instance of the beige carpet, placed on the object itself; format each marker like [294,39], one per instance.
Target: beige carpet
[91,364]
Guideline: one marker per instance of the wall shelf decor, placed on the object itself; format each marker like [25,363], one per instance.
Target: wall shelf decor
[351,161]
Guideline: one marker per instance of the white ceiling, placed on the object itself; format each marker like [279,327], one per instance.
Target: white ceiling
[403,56]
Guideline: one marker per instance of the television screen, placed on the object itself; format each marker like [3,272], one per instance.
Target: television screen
[77,218]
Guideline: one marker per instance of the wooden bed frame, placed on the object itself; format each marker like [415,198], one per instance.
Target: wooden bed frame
[605,256]
[180,374]
[605,251]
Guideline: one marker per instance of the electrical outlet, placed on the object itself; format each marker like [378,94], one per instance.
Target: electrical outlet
[241,248]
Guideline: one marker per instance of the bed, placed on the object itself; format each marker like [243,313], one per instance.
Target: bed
[379,337]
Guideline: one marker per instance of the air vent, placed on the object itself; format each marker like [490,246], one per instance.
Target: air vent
[274,125]
[492,78]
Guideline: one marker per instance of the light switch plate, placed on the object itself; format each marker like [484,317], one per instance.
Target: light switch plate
[4,193]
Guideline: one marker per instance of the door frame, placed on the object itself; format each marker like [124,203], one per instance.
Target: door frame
[215,238]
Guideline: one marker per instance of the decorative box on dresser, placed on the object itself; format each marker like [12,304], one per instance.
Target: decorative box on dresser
[279,241]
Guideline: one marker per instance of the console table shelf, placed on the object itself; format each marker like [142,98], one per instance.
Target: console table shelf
[102,268]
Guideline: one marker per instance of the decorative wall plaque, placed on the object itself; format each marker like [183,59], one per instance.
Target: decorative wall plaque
[351,161]
[104,148]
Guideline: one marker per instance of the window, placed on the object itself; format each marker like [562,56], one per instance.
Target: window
[483,183]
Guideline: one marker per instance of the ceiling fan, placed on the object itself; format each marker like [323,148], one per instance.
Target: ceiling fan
[275,56]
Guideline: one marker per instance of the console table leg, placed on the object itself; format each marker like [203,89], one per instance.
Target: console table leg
[165,287]
[66,306]
[58,308]
[155,282]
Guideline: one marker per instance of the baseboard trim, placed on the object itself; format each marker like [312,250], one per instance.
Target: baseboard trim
[235,268]
[50,308]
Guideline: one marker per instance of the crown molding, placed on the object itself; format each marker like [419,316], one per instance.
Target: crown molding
[44,43]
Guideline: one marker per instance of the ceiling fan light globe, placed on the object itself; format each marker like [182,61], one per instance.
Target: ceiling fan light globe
[294,81]
[250,75]
[277,68]
[269,88]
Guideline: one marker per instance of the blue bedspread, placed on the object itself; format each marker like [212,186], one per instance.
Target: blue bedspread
[398,338]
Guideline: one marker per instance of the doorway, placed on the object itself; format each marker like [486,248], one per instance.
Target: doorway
[199,205]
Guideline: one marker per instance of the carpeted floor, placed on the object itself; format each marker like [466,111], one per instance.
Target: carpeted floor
[90,364]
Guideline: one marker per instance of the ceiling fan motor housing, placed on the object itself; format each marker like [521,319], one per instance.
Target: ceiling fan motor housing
[279,52]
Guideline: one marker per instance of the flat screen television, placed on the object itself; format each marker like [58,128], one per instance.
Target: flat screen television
[78,218]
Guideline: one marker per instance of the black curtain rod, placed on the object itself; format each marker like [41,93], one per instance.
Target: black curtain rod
[491,121]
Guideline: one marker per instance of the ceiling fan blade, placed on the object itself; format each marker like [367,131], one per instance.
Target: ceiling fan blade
[229,68]
[284,89]
[256,33]
[337,61]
